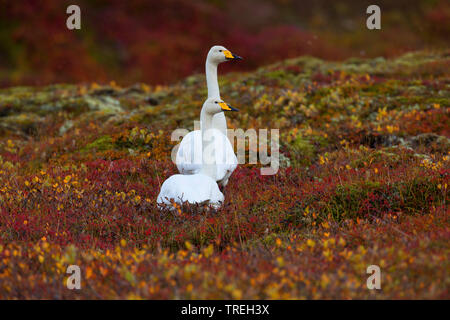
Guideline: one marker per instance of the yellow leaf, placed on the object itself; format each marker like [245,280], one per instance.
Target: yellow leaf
[208,250]
[88,272]
[278,242]
[310,243]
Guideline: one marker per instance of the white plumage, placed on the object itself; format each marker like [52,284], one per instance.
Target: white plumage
[189,155]
[195,188]
[201,187]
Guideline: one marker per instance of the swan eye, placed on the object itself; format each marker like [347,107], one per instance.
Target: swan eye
[220,50]
[215,102]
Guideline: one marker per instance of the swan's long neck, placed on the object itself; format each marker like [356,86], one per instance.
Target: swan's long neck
[208,156]
[212,83]
[211,79]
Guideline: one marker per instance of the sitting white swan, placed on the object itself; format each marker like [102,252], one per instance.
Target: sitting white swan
[195,189]
[201,187]
[189,154]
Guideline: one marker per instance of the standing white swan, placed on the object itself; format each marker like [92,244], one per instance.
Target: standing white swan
[189,154]
[201,187]
[217,55]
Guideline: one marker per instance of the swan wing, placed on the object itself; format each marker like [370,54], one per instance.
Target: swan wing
[226,160]
[189,154]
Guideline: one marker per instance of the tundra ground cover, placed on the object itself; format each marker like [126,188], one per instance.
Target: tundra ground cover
[364,180]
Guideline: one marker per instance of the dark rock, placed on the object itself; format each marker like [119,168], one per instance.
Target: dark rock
[152,101]
[431,141]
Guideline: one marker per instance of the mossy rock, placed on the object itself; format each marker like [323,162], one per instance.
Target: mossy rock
[377,156]
[302,152]
[101,144]
[21,124]
[66,126]
[103,103]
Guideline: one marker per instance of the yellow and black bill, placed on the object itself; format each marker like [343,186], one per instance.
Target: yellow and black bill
[226,107]
[231,56]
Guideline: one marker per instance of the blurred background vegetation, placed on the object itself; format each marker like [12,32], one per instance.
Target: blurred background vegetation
[160,42]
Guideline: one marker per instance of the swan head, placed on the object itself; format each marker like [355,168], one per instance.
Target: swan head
[219,54]
[216,105]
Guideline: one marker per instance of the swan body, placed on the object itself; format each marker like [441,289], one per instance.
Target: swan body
[195,188]
[200,187]
[189,154]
